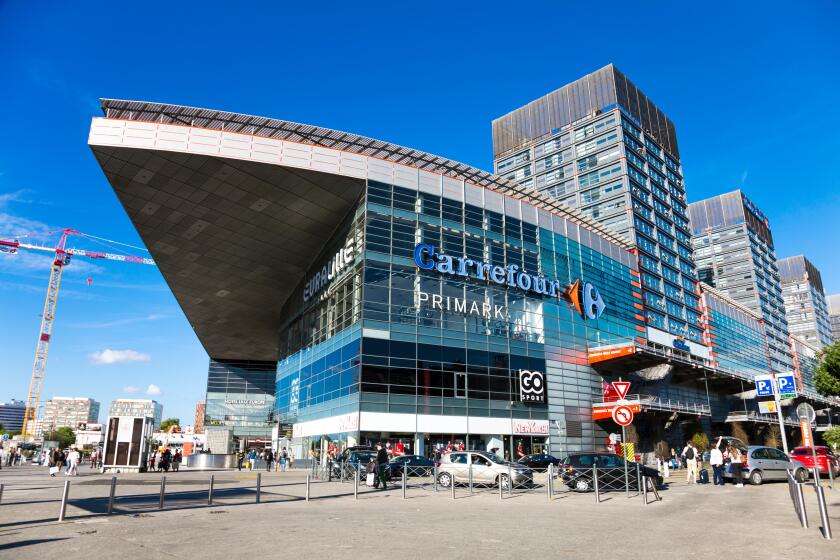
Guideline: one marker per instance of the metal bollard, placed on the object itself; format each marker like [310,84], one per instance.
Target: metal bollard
[452,484]
[638,478]
[595,483]
[471,478]
[510,480]
[112,495]
[644,489]
[1,493]
[64,495]
[435,474]
[500,489]
[826,523]
[405,480]
[307,488]
[210,492]
[830,477]
[800,498]
[259,486]
[626,478]
[548,483]
[356,488]
[162,491]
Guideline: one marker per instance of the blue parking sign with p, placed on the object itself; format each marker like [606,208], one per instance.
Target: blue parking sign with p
[764,386]
[787,384]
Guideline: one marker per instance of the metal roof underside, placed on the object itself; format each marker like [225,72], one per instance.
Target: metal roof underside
[319,136]
[232,238]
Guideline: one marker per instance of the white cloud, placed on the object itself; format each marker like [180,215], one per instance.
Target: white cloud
[153,390]
[109,357]
[130,389]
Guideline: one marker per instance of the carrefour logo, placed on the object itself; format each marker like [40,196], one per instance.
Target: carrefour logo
[582,295]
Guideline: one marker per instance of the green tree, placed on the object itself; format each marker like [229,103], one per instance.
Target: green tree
[827,377]
[166,424]
[832,437]
[64,436]
[700,441]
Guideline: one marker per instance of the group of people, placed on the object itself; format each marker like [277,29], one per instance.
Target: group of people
[68,460]
[162,461]
[282,459]
[9,457]
[723,458]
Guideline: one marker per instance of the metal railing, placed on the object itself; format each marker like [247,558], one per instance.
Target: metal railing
[655,402]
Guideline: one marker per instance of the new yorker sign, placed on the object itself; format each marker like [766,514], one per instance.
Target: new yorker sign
[582,295]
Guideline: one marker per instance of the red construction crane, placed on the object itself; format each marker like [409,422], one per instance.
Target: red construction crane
[63,256]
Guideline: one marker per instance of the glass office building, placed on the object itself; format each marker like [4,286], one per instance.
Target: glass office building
[600,145]
[805,306]
[833,302]
[240,395]
[414,342]
[734,251]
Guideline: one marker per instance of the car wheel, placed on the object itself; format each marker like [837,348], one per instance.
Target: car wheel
[445,479]
[504,481]
[581,485]
[756,478]
[801,475]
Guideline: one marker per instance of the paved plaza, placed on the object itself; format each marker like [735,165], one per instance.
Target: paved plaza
[691,521]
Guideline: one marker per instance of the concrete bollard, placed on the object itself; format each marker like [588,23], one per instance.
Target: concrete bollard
[112,495]
[64,495]
[162,491]
[210,492]
[259,486]
[307,488]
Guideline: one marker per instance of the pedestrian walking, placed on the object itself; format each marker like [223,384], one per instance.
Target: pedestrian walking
[284,459]
[689,453]
[716,460]
[73,462]
[381,460]
[176,461]
[269,457]
[240,458]
[252,458]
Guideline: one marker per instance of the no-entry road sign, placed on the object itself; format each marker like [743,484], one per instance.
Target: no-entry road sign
[622,415]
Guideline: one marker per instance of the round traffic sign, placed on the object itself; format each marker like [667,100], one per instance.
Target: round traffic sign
[806,412]
[622,415]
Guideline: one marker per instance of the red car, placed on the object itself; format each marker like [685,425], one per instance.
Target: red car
[825,456]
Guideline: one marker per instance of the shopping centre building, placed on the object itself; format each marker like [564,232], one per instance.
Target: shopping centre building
[351,291]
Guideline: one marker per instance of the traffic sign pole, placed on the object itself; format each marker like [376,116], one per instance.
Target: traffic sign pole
[778,398]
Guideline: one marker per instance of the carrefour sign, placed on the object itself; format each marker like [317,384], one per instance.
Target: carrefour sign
[582,295]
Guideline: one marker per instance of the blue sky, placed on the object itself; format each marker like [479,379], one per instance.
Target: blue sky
[752,90]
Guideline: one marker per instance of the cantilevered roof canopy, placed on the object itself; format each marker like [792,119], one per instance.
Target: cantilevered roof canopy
[235,208]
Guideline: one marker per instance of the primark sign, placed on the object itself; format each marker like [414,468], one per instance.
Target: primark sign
[583,296]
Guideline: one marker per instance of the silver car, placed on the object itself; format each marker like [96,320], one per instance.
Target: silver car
[768,463]
[487,468]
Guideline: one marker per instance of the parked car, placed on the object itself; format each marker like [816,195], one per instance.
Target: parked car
[353,459]
[825,457]
[762,463]
[487,468]
[416,465]
[539,461]
[576,471]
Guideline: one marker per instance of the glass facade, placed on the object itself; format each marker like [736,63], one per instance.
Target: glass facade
[240,395]
[735,334]
[387,337]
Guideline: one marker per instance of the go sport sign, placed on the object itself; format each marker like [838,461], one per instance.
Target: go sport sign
[531,386]
[582,295]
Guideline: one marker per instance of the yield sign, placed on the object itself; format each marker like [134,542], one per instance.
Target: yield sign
[621,387]
[622,415]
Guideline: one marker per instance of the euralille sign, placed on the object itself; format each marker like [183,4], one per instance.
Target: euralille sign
[582,295]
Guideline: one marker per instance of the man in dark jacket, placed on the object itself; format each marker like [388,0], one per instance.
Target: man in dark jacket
[381,460]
